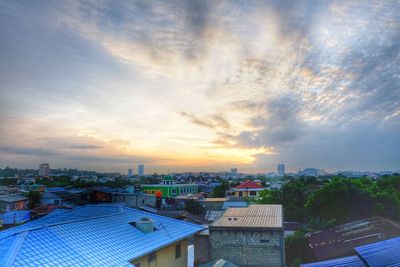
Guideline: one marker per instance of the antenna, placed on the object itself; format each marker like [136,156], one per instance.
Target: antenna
[162,226]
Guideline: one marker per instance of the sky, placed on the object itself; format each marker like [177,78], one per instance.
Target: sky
[200,85]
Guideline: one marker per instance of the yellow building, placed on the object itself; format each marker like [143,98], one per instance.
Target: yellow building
[174,255]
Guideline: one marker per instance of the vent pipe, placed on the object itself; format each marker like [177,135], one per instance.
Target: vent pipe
[145,225]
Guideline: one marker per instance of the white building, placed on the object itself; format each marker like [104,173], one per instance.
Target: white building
[44,169]
[141,170]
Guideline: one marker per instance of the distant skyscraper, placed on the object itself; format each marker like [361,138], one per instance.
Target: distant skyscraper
[141,170]
[44,169]
[234,171]
[281,169]
[130,172]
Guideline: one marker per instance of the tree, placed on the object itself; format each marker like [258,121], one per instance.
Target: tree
[220,191]
[297,250]
[341,199]
[34,199]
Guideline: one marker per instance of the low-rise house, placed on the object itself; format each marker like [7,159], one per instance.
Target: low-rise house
[247,189]
[235,202]
[212,203]
[13,202]
[48,198]
[98,235]
[134,200]
[251,236]
[341,240]
[15,217]
[383,253]
[169,188]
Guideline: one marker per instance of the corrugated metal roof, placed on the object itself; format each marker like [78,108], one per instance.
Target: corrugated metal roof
[255,216]
[352,261]
[384,253]
[213,199]
[341,240]
[12,198]
[228,204]
[93,235]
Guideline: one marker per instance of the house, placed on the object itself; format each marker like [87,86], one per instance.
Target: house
[235,202]
[98,235]
[251,236]
[341,240]
[134,200]
[102,194]
[212,203]
[13,202]
[383,253]
[169,188]
[48,198]
[16,216]
[247,189]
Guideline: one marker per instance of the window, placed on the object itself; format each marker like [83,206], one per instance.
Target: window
[253,193]
[240,194]
[152,257]
[264,241]
[143,201]
[178,251]
[137,264]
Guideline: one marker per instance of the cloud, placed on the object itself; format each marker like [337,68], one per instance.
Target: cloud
[314,82]
[213,121]
[30,151]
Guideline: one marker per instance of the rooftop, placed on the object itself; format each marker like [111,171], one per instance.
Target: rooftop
[383,253]
[254,216]
[213,199]
[249,185]
[92,235]
[341,240]
[12,198]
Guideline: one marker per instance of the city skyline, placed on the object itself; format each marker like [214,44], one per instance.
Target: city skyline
[200,85]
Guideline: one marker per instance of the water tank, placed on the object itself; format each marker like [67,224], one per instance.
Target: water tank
[145,225]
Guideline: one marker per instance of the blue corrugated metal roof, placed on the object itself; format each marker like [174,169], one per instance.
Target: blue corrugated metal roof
[352,261]
[384,253]
[93,235]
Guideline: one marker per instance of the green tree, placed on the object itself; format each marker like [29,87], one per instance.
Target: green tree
[220,191]
[34,199]
[341,199]
[297,250]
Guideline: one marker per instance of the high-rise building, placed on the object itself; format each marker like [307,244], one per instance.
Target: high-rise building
[234,171]
[130,172]
[44,169]
[281,169]
[141,170]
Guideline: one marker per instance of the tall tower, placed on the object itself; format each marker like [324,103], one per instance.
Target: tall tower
[141,170]
[44,169]
[281,169]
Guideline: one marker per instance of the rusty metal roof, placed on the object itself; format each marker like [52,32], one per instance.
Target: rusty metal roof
[254,216]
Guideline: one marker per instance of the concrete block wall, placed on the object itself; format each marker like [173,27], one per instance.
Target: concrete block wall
[248,248]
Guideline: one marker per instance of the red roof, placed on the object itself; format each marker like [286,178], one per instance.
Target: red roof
[249,185]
